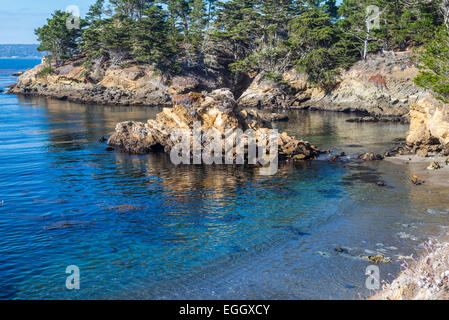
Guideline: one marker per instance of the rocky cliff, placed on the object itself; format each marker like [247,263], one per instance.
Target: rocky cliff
[425,279]
[381,86]
[429,125]
[127,84]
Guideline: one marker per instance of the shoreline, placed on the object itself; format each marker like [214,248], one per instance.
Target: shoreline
[425,278]
[418,166]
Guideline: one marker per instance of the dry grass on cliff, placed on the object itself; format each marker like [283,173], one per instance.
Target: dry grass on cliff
[426,279]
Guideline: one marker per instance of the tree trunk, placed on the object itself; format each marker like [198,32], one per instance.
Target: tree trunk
[365,47]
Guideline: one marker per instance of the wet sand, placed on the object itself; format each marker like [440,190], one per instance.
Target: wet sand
[418,166]
[426,278]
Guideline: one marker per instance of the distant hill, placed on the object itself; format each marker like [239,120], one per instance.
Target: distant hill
[20,51]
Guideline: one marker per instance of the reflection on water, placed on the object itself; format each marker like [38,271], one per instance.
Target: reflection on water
[140,227]
[330,130]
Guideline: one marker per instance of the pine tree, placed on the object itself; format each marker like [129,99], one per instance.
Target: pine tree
[362,23]
[61,42]
[434,58]
[313,39]
[150,43]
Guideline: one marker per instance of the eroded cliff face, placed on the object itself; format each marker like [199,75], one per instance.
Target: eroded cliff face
[381,86]
[107,84]
[429,123]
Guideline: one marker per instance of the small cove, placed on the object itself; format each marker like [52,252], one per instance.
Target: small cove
[140,227]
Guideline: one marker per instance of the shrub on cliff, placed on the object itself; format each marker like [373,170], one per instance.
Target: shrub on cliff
[435,66]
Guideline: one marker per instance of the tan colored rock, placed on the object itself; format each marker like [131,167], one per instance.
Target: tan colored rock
[429,123]
[379,259]
[370,156]
[217,111]
[263,93]
[424,153]
[434,166]
[110,84]
[381,86]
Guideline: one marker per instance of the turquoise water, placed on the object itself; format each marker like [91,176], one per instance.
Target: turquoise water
[139,227]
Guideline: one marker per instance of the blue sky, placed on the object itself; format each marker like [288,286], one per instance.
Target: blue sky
[19,18]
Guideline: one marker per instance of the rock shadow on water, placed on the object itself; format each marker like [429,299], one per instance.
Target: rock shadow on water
[293,230]
[331,193]
[235,217]
[362,174]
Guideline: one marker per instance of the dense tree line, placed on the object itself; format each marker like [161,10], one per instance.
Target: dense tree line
[247,36]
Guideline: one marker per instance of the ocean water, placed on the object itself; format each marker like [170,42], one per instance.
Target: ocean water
[139,227]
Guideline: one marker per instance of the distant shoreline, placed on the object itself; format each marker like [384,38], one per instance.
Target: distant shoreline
[21,58]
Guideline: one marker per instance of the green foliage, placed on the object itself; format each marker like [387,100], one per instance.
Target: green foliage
[45,71]
[274,77]
[57,39]
[318,37]
[434,66]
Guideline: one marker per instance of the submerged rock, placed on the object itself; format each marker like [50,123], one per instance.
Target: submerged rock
[415,180]
[370,156]
[434,166]
[218,112]
[378,119]
[273,117]
[379,259]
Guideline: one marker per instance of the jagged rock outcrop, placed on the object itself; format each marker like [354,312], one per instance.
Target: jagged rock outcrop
[218,111]
[265,93]
[429,123]
[127,84]
[382,86]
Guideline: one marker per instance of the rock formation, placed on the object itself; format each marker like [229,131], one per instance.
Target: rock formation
[382,86]
[429,124]
[217,111]
[128,84]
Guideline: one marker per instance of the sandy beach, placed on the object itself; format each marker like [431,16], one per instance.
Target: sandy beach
[425,278]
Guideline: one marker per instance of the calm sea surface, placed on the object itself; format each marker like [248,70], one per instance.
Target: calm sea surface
[140,227]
